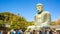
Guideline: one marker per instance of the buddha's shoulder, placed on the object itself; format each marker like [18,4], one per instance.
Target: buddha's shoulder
[46,12]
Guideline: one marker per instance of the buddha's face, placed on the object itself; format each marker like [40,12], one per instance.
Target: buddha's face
[39,8]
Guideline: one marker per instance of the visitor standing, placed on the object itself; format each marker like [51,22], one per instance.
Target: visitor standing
[31,32]
[8,32]
[50,32]
[18,32]
[13,32]
[21,31]
[0,32]
[34,32]
[44,31]
[40,32]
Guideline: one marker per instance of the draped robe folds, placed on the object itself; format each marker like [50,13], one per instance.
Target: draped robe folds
[43,19]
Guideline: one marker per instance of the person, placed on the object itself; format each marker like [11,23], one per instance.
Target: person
[8,32]
[55,32]
[40,32]
[18,32]
[50,32]
[12,32]
[34,32]
[44,31]
[0,32]
[5,32]
[21,31]
[31,32]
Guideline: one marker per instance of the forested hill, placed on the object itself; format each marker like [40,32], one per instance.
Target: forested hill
[15,21]
[9,17]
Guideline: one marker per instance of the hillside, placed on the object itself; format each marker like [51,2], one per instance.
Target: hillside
[15,21]
[56,23]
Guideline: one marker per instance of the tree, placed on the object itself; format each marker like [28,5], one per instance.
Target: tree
[58,22]
[53,23]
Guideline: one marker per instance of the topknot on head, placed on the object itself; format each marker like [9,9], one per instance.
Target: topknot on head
[39,4]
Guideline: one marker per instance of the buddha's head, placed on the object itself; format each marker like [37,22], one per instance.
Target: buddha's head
[39,7]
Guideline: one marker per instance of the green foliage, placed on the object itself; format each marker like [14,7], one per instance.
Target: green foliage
[15,21]
[30,23]
[53,23]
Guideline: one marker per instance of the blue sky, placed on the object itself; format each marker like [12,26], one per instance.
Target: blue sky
[27,8]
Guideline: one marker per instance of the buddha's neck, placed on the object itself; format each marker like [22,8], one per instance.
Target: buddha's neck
[40,12]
